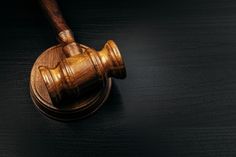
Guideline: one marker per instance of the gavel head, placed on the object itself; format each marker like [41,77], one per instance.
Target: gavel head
[83,72]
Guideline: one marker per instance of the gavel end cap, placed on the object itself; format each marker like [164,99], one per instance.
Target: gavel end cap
[118,70]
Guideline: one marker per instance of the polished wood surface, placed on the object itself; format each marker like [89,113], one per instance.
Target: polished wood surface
[69,108]
[83,73]
[78,81]
[180,90]
[54,14]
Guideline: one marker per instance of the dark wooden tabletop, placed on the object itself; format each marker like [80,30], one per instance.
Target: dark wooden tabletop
[179,98]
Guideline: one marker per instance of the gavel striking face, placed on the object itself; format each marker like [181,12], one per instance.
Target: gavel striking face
[70,80]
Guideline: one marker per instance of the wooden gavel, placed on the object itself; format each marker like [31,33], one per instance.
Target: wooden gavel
[70,80]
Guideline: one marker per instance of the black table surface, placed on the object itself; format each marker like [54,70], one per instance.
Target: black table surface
[179,98]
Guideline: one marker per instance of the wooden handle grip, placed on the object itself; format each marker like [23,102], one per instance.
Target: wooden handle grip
[52,10]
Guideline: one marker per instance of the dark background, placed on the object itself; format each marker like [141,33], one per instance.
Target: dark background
[179,98]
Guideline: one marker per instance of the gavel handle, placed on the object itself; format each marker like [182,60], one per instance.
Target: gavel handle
[55,16]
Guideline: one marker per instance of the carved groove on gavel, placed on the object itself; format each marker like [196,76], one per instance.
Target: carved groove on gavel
[70,80]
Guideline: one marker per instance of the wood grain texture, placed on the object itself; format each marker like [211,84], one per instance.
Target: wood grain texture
[69,108]
[54,14]
[178,99]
